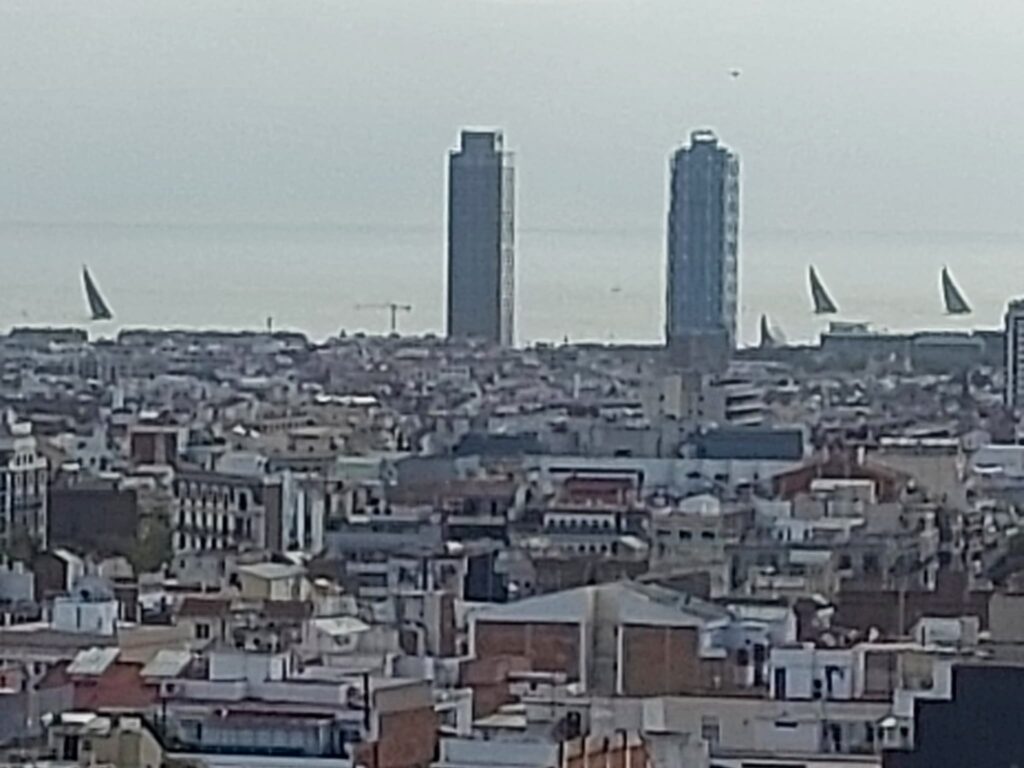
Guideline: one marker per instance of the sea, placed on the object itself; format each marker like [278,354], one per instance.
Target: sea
[571,284]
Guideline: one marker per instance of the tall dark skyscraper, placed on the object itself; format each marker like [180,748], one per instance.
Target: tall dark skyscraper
[703,244]
[481,239]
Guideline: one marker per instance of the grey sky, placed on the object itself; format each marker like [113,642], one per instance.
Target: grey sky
[868,115]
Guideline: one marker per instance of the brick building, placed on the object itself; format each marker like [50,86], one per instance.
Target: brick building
[618,639]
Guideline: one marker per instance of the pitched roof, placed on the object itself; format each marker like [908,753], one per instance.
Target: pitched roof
[93,661]
[628,602]
[167,663]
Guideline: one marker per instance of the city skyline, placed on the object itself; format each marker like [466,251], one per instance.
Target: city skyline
[330,434]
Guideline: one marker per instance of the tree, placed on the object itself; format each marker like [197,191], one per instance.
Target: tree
[153,547]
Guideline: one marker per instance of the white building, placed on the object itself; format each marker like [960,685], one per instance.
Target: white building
[90,609]
[303,511]
[806,673]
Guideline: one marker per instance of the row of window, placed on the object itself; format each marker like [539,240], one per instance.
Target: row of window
[574,523]
[685,535]
[184,542]
[592,549]
[222,496]
[212,523]
[31,483]
[23,460]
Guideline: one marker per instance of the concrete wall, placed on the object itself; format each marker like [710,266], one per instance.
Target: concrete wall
[813,673]
[749,724]
[1006,617]
[20,713]
[72,615]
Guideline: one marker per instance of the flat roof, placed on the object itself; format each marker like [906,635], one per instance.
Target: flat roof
[272,570]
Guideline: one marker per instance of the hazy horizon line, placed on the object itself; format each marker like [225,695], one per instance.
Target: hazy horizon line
[370,227]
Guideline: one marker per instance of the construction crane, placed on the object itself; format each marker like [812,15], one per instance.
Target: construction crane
[393,308]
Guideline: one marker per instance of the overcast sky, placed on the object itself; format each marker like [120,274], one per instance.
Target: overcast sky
[849,115]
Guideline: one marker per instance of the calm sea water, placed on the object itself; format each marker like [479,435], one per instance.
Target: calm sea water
[585,285]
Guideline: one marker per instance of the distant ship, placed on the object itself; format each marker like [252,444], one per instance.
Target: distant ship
[823,304]
[98,308]
[953,299]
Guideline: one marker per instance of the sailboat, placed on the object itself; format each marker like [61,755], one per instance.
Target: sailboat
[823,304]
[768,340]
[952,297]
[98,308]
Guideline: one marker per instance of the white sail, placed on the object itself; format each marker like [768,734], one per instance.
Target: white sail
[823,304]
[952,297]
[98,308]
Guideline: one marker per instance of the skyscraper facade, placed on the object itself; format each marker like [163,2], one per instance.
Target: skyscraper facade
[1015,354]
[481,239]
[703,243]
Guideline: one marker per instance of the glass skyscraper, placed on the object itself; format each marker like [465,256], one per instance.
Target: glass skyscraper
[481,239]
[703,244]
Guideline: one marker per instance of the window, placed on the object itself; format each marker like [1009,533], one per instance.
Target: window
[831,673]
[202,631]
[710,730]
[685,535]
[71,747]
[871,565]
[780,683]
[760,656]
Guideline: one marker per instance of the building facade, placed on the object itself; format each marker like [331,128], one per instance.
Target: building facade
[703,243]
[215,511]
[23,484]
[1015,354]
[481,239]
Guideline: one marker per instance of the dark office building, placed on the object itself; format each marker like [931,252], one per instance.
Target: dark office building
[703,244]
[97,518]
[481,245]
[750,444]
[979,728]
